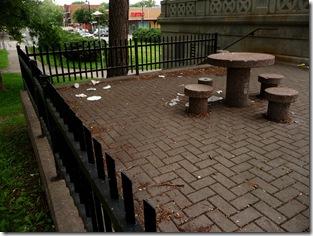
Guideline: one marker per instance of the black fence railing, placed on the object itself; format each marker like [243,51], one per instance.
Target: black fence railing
[80,160]
[93,59]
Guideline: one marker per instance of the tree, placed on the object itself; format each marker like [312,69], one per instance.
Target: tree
[145,3]
[82,16]
[14,15]
[118,32]
[46,21]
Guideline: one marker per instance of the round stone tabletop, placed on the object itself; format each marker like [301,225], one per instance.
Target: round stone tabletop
[241,59]
[198,90]
[281,94]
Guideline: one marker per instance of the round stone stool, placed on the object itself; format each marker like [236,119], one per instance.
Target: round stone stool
[269,80]
[198,97]
[206,81]
[279,100]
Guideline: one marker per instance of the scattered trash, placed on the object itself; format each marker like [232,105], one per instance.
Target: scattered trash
[179,76]
[107,87]
[81,95]
[237,221]
[94,98]
[174,101]
[76,85]
[297,122]
[292,113]
[181,94]
[32,175]
[219,91]
[300,194]
[161,76]
[91,89]
[94,82]
[303,66]
[187,104]
[181,85]
[214,98]
[140,189]
[199,177]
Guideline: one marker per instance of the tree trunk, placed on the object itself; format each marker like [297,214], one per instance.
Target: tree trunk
[1,82]
[118,35]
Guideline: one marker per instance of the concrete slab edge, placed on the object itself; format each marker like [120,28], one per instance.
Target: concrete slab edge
[63,211]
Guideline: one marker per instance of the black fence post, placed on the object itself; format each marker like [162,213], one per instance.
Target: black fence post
[149,216]
[112,176]
[136,56]
[128,199]
[215,42]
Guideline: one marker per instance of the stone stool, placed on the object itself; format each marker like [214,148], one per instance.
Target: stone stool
[268,81]
[198,97]
[206,81]
[279,100]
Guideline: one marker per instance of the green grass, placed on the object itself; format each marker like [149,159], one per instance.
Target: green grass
[4,61]
[146,54]
[23,207]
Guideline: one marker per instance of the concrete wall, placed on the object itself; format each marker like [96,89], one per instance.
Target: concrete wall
[232,19]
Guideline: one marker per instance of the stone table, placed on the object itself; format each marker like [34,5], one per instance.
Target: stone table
[238,66]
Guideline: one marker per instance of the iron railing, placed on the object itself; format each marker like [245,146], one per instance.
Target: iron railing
[80,160]
[93,59]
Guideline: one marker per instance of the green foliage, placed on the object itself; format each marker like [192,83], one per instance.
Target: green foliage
[145,3]
[22,204]
[46,21]
[4,61]
[82,15]
[15,15]
[147,34]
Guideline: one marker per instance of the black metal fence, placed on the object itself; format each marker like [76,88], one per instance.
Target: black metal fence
[92,59]
[80,160]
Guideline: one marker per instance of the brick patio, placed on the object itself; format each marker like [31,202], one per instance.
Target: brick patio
[230,171]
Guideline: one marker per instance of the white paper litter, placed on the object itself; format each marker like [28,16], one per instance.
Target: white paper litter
[214,99]
[187,104]
[91,89]
[107,87]
[94,82]
[179,76]
[94,98]
[161,76]
[174,101]
[181,94]
[81,95]
[219,91]
[76,85]
[172,104]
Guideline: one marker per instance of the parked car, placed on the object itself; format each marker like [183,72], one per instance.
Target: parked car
[104,32]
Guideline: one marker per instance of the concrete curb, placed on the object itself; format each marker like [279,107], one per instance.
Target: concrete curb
[63,211]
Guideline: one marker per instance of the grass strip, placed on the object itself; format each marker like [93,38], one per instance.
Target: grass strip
[23,206]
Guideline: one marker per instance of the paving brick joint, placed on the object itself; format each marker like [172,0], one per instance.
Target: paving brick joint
[235,171]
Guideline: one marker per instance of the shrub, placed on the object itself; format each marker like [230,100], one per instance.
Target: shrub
[146,34]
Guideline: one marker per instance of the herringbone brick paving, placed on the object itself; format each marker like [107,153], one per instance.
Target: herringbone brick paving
[234,170]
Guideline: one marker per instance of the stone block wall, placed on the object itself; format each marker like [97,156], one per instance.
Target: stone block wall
[288,37]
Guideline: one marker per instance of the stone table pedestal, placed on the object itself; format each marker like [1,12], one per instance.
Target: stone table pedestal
[198,98]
